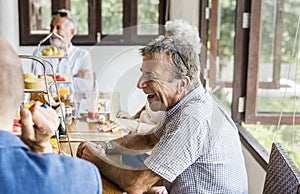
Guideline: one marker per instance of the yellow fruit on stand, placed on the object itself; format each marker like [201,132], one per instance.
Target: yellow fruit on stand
[61,52]
[52,51]
[47,52]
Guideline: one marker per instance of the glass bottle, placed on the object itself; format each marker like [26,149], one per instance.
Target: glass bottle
[62,128]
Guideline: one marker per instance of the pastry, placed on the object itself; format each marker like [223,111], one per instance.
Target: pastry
[28,75]
[34,83]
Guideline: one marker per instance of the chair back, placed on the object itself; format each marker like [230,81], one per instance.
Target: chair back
[282,174]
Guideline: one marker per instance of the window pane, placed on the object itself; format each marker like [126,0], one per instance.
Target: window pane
[112,17]
[286,135]
[80,10]
[148,16]
[278,83]
[222,37]
[226,40]
[40,13]
[276,52]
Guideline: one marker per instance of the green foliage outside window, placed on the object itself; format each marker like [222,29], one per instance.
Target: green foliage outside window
[80,10]
[290,14]
[286,135]
[112,16]
[148,14]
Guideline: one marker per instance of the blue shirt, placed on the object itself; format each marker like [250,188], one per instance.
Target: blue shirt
[24,172]
[199,149]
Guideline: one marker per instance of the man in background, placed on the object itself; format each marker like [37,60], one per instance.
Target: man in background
[78,62]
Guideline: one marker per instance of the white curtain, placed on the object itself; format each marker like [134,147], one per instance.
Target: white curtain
[187,10]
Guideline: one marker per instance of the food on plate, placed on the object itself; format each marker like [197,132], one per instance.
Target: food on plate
[28,75]
[109,126]
[64,91]
[52,51]
[34,83]
[48,77]
[60,77]
[43,98]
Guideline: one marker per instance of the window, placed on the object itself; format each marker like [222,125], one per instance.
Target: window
[273,61]
[272,97]
[128,22]
[219,51]
[263,45]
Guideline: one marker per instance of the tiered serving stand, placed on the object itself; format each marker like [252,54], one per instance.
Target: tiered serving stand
[42,60]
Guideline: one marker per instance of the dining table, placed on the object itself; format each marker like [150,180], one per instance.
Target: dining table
[79,130]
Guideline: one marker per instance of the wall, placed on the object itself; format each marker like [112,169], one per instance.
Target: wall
[256,174]
[9,21]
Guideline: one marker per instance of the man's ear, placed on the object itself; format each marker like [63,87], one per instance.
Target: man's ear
[73,32]
[183,84]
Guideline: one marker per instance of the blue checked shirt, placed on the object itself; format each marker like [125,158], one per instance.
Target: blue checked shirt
[199,149]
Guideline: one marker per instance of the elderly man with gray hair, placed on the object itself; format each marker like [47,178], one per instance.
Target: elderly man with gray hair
[195,148]
[78,62]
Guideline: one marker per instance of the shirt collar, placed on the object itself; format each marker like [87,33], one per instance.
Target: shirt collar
[70,49]
[7,139]
[196,93]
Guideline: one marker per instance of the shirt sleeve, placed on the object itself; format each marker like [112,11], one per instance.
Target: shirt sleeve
[85,62]
[179,147]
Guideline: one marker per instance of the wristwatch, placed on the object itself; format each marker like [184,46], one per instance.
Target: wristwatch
[108,147]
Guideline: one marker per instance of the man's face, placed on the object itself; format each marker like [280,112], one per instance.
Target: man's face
[158,84]
[62,27]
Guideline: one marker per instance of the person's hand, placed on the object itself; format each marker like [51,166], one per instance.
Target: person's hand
[90,151]
[161,190]
[157,190]
[123,115]
[84,74]
[38,125]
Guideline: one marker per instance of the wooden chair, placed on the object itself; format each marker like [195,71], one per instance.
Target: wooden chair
[282,174]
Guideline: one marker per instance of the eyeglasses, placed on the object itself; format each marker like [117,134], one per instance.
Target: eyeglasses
[178,53]
[64,13]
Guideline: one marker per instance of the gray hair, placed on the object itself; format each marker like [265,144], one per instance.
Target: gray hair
[182,55]
[181,28]
[66,14]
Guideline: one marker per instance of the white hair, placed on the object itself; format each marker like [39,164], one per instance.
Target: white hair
[181,28]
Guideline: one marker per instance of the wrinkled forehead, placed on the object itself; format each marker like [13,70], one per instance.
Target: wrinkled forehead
[156,61]
[58,21]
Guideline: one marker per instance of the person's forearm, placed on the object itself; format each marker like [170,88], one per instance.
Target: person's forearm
[134,144]
[131,181]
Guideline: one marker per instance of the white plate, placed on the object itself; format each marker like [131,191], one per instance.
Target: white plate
[34,90]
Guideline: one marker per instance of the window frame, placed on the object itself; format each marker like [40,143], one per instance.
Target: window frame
[94,20]
[239,84]
[246,61]
[213,25]
[251,115]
